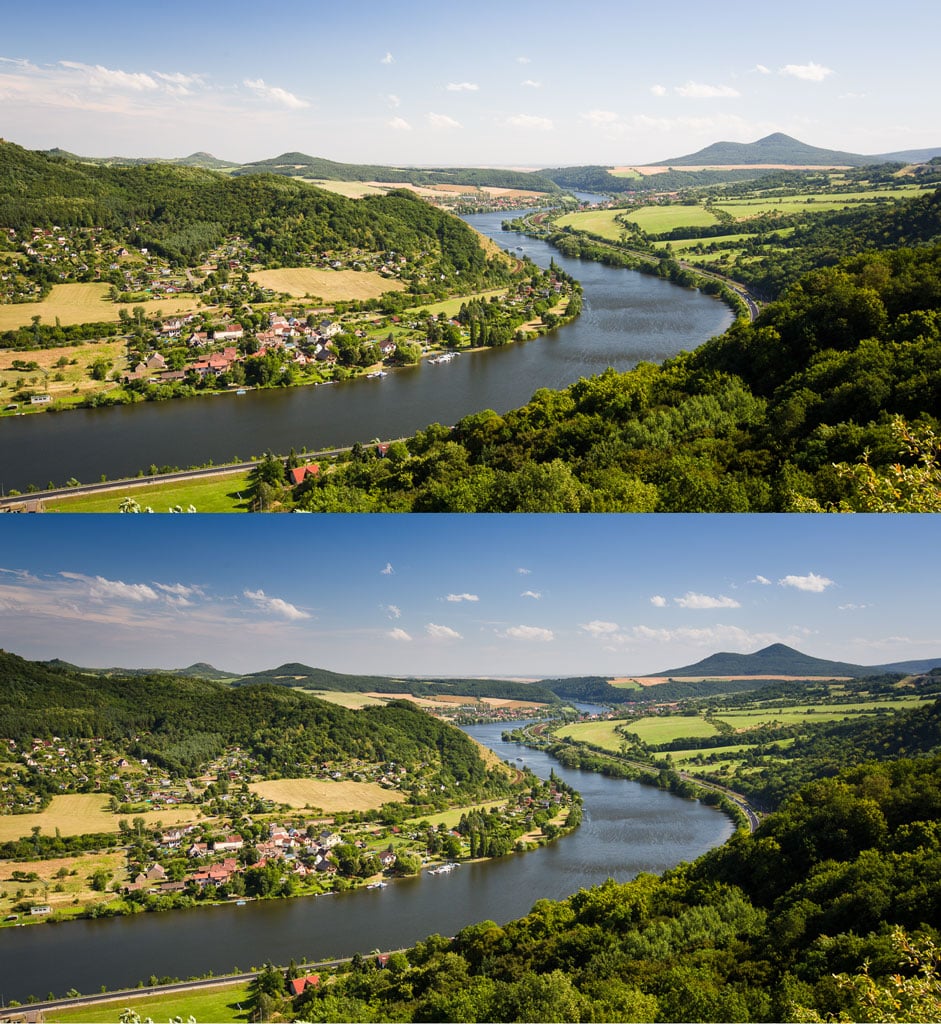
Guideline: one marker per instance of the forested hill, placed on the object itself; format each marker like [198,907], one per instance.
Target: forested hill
[752,421]
[753,931]
[297,675]
[183,723]
[776,148]
[778,660]
[182,212]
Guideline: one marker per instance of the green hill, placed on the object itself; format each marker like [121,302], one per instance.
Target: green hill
[776,660]
[772,149]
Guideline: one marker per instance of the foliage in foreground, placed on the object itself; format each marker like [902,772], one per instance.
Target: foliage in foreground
[843,371]
[829,909]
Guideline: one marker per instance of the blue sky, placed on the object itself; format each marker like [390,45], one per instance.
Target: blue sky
[461,595]
[518,84]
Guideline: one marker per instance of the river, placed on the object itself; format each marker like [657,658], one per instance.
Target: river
[627,317]
[626,829]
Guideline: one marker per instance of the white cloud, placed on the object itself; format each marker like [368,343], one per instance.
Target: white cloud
[761,69]
[392,610]
[442,121]
[542,124]
[273,92]
[811,582]
[851,96]
[462,597]
[101,589]
[398,634]
[399,124]
[462,87]
[437,632]
[529,83]
[388,59]
[807,72]
[275,605]
[731,637]
[658,90]
[701,91]
[393,100]
[102,77]
[388,570]
[534,594]
[523,60]
[705,601]
[599,628]
[851,607]
[536,633]
[600,118]
[525,572]
[763,580]
[658,601]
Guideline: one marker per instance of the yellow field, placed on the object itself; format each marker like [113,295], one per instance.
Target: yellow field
[352,189]
[84,303]
[329,285]
[328,796]
[345,700]
[72,886]
[77,813]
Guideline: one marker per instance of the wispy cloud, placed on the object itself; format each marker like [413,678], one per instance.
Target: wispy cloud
[807,72]
[536,633]
[811,582]
[398,634]
[388,570]
[600,118]
[272,92]
[399,124]
[530,83]
[534,594]
[542,124]
[455,598]
[438,632]
[763,580]
[393,101]
[275,605]
[392,610]
[462,87]
[702,91]
[700,602]
[442,121]
[658,90]
[599,628]
[525,572]
[387,59]
[100,589]
[101,77]
[761,69]
[523,60]
[658,601]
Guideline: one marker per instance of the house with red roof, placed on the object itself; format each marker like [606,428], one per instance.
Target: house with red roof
[297,985]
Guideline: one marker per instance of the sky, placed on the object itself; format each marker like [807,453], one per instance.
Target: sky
[527,84]
[509,596]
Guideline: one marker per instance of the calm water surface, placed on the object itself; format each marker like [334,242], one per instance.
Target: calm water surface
[627,828]
[627,317]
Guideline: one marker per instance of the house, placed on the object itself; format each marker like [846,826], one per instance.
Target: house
[387,859]
[155,361]
[231,332]
[299,474]
[40,399]
[388,348]
[297,985]
[227,844]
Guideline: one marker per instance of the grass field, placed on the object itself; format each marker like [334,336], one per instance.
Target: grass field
[451,307]
[77,813]
[351,189]
[656,219]
[73,376]
[71,886]
[598,222]
[219,1004]
[602,734]
[328,796]
[345,700]
[214,494]
[328,285]
[453,817]
[84,303]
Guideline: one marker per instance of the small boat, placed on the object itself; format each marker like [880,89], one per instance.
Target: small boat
[377,885]
[376,373]
[240,903]
[241,391]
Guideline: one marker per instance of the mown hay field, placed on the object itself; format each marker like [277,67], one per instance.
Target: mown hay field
[212,494]
[223,1004]
[328,285]
[83,304]
[601,734]
[344,699]
[328,796]
[78,813]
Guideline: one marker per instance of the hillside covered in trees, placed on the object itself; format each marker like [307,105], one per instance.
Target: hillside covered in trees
[183,723]
[811,405]
[830,908]
[183,212]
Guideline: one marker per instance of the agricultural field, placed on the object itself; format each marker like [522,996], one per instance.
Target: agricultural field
[346,700]
[657,219]
[327,285]
[351,189]
[329,797]
[85,303]
[596,222]
[64,373]
[74,814]
[224,493]
[61,882]
[602,734]
[219,1003]
[451,818]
